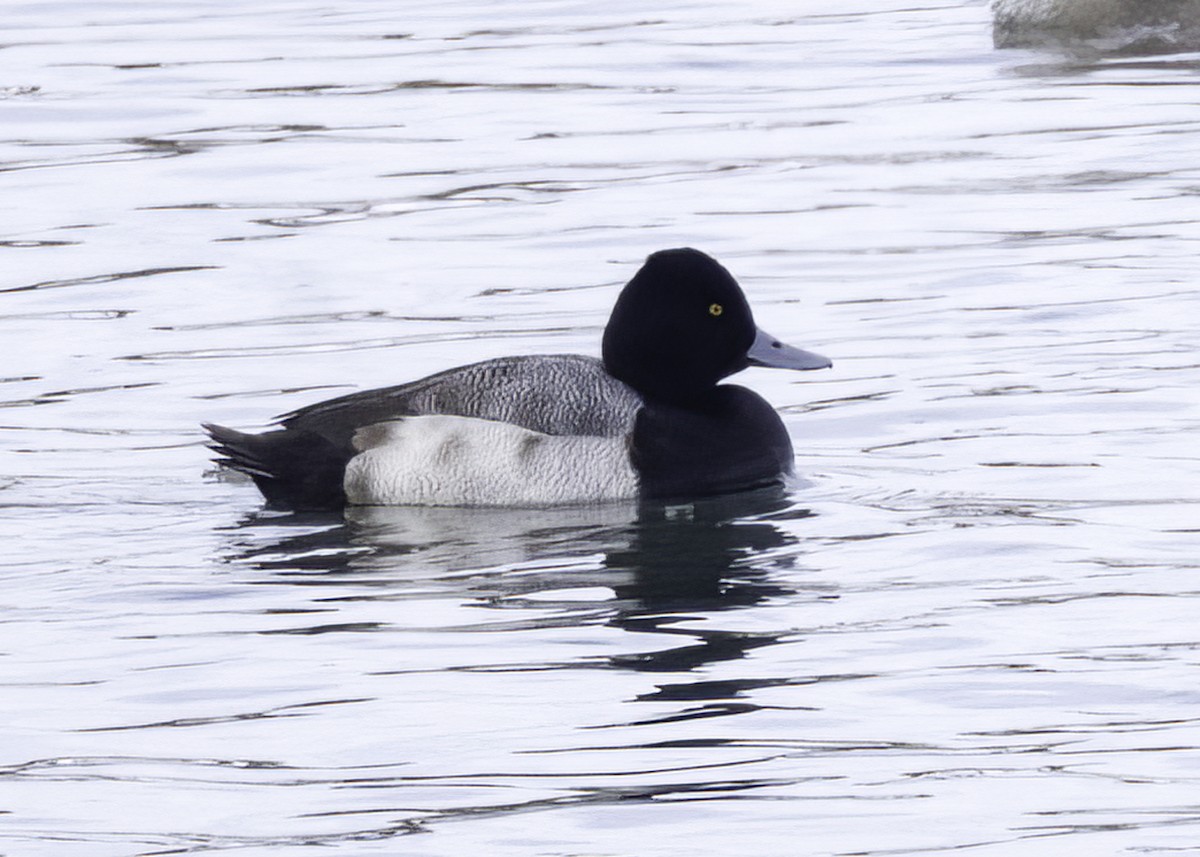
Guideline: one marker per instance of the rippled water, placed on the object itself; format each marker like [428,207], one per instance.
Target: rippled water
[973,628]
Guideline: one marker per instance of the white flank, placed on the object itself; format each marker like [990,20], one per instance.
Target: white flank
[443,460]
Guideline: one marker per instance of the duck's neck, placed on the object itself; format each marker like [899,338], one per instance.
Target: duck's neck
[676,385]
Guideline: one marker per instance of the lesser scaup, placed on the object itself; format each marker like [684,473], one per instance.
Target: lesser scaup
[649,420]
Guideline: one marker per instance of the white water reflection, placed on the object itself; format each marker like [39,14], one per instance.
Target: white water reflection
[971,630]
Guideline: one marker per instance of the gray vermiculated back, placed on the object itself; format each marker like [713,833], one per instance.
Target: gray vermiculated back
[561,394]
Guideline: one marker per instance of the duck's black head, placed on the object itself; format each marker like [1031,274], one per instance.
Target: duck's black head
[682,324]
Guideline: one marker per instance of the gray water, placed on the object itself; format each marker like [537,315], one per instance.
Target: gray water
[971,628]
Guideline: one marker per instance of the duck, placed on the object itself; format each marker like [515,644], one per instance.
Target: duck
[1109,25]
[648,420]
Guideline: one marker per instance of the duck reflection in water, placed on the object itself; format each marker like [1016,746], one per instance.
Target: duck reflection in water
[662,561]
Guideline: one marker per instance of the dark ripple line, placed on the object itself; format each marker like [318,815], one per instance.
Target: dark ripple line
[295,710]
[148,149]
[71,766]
[383,88]
[110,278]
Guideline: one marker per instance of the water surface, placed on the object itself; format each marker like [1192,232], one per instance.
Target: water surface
[970,628]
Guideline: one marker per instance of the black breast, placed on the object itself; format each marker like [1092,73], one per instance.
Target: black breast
[730,441]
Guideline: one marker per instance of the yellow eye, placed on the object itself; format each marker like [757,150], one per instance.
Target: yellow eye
[715,310]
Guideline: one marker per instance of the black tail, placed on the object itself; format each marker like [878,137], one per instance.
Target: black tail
[293,469]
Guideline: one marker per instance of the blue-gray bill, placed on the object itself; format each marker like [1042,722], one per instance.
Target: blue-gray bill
[769,351]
